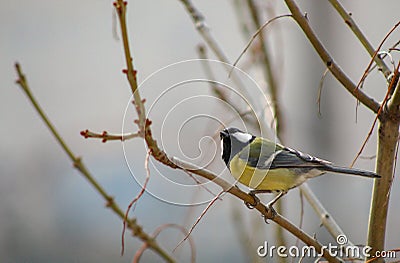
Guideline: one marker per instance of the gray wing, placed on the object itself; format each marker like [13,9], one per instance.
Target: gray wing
[290,158]
[262,156]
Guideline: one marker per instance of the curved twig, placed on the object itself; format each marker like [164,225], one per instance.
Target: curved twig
[141,192]
[199,218]
[254,37]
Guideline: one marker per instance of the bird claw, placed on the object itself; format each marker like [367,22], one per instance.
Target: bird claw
[270,211]
[255,203]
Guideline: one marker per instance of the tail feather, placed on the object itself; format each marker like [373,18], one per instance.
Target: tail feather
[344,170]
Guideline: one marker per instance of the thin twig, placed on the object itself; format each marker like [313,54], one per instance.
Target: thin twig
[254,37]
[139,253]
[391,87]
[141,192]
[156,232]
[218,91]
[364,76]
[269,76]
[120,7]
[105,136]
[321,85]
[393,47]
[184,231]
[301,195]
[199,218]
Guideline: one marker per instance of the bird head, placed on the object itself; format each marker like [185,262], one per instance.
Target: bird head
[233,141]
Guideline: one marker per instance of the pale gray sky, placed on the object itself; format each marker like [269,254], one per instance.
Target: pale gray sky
[49,213]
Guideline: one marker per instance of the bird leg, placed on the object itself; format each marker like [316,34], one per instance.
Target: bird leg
[273,201]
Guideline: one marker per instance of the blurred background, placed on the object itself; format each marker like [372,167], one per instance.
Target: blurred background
[72,54]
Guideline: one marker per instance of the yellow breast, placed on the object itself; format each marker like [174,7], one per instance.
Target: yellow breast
[269,180]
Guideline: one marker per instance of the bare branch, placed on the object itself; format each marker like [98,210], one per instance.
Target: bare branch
[105,136]
[357,32]
[328,60]
[388,137]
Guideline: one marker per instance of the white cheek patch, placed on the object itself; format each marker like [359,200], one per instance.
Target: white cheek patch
[242,137]
[222,147]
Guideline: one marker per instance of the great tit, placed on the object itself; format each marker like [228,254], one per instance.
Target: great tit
[266,167]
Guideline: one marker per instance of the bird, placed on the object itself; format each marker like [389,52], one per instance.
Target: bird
[268,167]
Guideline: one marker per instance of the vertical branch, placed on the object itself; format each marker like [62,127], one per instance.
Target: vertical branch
[120,7]
[388,138]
